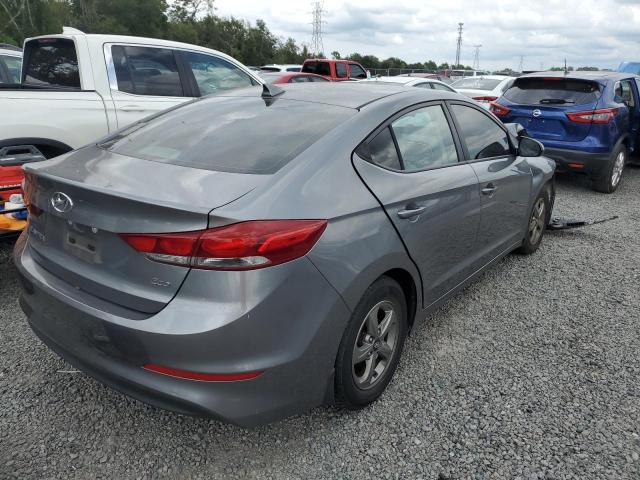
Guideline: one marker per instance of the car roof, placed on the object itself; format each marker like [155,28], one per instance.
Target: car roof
[581,75]
[11,52]
[400,80]
[342,94]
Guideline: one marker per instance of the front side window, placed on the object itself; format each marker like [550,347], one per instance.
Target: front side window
[147,71]
[52,62]
[214,74]
[425,139]
[482,136]
[356,71]
[625,92]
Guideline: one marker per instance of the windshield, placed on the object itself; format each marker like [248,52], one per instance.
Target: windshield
[231,134]
[553,91]
[476,83]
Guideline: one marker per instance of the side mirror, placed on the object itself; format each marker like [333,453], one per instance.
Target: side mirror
[528,147]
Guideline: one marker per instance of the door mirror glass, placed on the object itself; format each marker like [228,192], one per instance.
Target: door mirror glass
[528,147]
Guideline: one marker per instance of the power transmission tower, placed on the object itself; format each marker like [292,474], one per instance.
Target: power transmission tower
[521,66]
[476,57]
[460,25]
[317,47]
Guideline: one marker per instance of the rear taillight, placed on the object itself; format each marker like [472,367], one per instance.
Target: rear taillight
[599,117]
[485,99]
[240,246]
[499,110]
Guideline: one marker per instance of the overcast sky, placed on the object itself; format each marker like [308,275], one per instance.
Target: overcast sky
[598,33]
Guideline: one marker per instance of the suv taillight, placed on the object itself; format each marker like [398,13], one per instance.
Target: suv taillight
[240,246]
[498,110]
[598,117]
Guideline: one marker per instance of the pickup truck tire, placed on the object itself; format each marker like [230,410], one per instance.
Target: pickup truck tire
[609,180]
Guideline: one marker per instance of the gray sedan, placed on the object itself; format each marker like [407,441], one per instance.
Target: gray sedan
[251,255]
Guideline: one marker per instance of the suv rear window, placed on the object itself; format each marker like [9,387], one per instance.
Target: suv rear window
[319,68]
[51,62]
[230,134]
[553,91]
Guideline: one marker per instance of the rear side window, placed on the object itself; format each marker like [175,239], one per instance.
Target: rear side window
[293,69]
[553,91]
[147,71]
[12,65]
[215,74]
[319,68]
[51,62]
[341,70]
[439,86]
[356,71]
[483,137]
[231,134]
[383,151]
[424,139]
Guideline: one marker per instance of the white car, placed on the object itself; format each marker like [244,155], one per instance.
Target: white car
[412,82]
[77,88]
[10,61]
[485,89]
[281,68]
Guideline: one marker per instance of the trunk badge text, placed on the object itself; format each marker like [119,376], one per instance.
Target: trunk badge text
[61,202]
[160,283]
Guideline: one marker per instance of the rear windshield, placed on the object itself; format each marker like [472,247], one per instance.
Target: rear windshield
[231,134]
[476,83]
[319,68]
[553,91]
[51,62]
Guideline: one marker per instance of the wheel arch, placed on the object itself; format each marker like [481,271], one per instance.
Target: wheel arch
[409,288]
[48,147]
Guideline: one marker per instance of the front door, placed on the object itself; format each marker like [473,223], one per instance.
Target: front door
[504,179]
[411,165]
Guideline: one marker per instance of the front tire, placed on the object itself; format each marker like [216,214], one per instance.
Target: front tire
[610,178]
[538,221]
[371,345]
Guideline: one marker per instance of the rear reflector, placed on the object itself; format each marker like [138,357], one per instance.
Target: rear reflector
[240,246]
[499,110]
[202,377]
[485,99]
[598,117]
[576,165]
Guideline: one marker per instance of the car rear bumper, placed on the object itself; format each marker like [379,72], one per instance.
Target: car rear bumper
[577,161]
[296,361]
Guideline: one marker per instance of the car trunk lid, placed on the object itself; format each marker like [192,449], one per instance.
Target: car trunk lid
[95,195]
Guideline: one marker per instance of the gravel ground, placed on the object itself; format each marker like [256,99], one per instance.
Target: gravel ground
[530,373]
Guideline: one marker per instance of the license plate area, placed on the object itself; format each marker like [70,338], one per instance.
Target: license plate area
[82,242]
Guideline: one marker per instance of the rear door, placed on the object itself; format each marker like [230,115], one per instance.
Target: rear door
[411,164]
[504,178]
[541,105]
[627,90]
[144,80]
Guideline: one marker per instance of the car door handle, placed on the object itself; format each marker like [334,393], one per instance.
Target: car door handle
[490,189]
[132,108]
[411,211]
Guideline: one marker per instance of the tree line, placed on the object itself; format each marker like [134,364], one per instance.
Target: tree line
[190,21]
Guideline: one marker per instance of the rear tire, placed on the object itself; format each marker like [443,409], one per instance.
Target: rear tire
[371,345]
[538,221]
[611,176]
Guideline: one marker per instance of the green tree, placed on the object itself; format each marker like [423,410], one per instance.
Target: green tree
[335,55]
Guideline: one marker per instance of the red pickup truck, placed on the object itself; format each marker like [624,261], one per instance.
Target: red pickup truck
[336,70]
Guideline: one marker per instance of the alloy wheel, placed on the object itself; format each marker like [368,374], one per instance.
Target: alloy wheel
[537,222]
[618,167]
[375,344]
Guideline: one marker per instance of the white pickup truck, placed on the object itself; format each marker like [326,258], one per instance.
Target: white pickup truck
[76,88]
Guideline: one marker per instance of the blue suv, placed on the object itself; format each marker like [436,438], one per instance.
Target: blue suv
[587,121]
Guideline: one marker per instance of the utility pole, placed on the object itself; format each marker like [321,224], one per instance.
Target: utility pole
[476,57]
[460,25]
[521,66]
[317,47]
